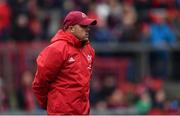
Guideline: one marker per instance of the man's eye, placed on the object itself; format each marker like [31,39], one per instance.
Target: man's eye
[84,26]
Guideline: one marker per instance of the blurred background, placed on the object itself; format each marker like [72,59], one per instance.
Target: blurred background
[137,45]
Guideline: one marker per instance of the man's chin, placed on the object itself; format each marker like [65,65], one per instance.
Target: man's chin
[85,39]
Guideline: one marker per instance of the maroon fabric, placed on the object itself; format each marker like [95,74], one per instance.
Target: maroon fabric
[5,15]
[77,17]
[61,83]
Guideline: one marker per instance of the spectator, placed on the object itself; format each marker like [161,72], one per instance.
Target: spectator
[114,19]
[18,7]
[96,88]
[109,85]
[173,18]
[34,22]
[144,103]
[3,97]
[25,96]
[5,15]
[45,26]
[161,36]
[21,30]
[129,18]
[159,99]
[116,100]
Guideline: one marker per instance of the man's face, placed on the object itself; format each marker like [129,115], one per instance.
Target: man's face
[81,32]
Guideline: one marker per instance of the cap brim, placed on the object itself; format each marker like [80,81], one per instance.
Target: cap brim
[88,22]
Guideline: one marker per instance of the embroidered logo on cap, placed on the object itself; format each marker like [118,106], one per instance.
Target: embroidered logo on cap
[83,15]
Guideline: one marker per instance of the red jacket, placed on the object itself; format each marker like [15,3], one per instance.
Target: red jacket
[64,68]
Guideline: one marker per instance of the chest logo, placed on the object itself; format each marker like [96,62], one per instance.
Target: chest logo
[89,58]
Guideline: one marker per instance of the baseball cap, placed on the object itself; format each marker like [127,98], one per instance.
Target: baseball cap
[77,17]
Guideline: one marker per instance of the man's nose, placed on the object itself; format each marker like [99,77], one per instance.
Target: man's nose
[87,29]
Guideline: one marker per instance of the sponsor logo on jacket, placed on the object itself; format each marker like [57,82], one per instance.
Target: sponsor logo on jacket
[71,59]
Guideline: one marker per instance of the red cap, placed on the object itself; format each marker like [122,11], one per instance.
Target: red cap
[77,17]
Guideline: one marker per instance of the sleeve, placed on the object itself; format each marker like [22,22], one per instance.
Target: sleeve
[48,65]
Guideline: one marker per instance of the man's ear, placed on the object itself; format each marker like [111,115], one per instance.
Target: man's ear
[72,29]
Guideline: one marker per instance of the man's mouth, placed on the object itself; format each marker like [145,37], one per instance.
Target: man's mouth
[87,34]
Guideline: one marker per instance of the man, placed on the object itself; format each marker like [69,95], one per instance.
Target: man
[64,68]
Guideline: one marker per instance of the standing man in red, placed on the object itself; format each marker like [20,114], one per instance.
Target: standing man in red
[64,68]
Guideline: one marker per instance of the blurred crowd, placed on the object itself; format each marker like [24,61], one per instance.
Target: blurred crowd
[147,97]
[146,20]
[156,22]
[115,87]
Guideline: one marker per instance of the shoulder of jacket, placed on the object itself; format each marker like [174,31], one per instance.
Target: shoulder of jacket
[59,45]
[56,47]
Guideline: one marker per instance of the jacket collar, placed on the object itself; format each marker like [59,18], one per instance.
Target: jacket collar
[69,37]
